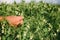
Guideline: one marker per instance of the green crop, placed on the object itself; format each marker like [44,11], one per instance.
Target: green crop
[41,21]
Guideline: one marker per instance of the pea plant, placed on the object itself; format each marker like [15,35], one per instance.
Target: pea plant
[41,21]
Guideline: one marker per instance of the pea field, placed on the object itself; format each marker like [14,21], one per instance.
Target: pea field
[41,21]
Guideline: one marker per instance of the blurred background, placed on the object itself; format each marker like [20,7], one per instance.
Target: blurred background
[41,20]
[27,1]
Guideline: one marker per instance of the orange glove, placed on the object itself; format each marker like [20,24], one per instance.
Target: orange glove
[13,20]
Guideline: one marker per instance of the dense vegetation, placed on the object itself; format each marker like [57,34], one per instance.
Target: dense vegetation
[41,21]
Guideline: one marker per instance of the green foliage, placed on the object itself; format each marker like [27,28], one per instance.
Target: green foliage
[41,21]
